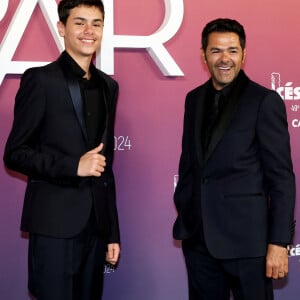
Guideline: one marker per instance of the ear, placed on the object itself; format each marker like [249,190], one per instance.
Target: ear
[203,56]
[244,55]
[61,28]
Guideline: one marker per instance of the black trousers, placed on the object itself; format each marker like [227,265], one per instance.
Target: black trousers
[213,279]
[67,269]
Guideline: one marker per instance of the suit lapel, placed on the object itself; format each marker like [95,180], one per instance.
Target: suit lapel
[75,93]
[228,113]
[74,90]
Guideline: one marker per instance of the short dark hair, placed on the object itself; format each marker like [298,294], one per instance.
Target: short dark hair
[223,25]
[65,6]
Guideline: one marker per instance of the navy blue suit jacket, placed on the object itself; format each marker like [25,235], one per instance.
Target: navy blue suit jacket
[242,190]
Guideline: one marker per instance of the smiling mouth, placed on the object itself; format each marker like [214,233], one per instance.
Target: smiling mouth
[90,41]
[224,68]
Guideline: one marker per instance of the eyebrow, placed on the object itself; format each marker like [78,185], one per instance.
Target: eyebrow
[83,19]
[229,48]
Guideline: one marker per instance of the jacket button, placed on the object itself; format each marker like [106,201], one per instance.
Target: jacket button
[105,183]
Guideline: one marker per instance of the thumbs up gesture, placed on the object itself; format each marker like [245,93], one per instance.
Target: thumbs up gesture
[92,163]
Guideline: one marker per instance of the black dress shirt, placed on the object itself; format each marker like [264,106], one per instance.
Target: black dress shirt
[93,102]
[215,103]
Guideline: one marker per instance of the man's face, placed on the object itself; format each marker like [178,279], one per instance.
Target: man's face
[83,31]
[224,57]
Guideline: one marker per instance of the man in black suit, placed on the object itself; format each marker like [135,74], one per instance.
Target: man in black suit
[62,138]
[236,191]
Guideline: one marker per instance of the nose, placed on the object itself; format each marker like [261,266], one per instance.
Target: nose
[88,29]
[225,56]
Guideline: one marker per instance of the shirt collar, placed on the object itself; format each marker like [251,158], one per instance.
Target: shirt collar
[73,66]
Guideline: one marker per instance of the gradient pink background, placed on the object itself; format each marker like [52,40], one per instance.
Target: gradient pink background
[150,112]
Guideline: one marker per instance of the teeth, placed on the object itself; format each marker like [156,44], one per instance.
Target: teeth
[88,41]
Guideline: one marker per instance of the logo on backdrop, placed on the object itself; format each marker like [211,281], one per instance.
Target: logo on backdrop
[289,93]
[3,5]
[153,43]
[294,250]
[122,143]
[108,269]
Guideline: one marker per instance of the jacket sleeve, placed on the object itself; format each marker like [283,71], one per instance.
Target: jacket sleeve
[22,152]
[184,199]
[275,153]
[183,188]
[114,236]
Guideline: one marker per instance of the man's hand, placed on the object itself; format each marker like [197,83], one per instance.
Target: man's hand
[276,262]
[91,163]
[112,254]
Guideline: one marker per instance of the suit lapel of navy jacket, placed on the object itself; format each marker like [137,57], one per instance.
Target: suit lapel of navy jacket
[228,113]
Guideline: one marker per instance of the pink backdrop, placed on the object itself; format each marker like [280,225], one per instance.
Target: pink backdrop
[150,114]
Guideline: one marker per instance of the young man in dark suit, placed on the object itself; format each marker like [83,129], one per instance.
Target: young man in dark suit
[236,191]
[62,138]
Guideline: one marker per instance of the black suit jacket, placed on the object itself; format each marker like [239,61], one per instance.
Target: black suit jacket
[47,139]
[242,190]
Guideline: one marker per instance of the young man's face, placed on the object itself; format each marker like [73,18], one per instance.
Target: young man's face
[224,57]
[83,31]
